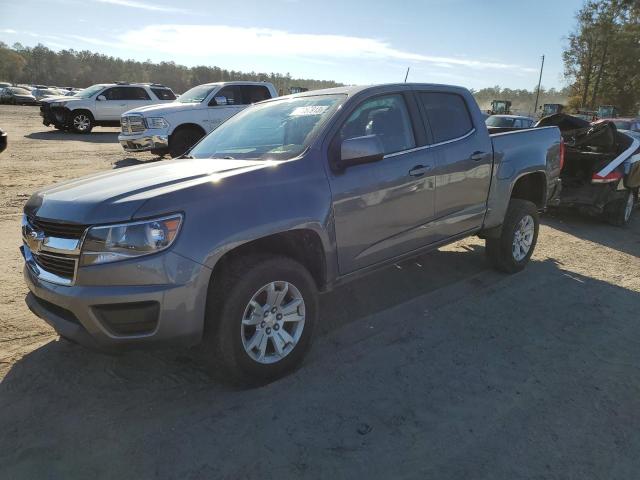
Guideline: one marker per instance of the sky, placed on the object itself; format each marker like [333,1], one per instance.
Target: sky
[473,43]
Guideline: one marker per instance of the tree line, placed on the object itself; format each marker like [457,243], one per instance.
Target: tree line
[602,57]
[71,68]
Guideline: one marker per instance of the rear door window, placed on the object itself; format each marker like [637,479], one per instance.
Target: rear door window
[136,93]
[254,93]
[447,114]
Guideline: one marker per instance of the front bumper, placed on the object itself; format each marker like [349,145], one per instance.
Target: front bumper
[58,116]
[144,142]
[102,311]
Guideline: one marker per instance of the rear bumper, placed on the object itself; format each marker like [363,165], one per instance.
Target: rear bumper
[143,142]
[111,317]
[591,198]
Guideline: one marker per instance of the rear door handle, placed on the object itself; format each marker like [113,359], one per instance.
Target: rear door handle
[477,156]
[419,170]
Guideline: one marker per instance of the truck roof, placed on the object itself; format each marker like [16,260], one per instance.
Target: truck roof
[354,89]
[237,82]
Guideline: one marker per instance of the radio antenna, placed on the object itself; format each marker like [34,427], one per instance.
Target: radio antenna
[405,77]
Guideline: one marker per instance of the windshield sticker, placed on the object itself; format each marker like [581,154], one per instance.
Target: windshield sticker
[309,110]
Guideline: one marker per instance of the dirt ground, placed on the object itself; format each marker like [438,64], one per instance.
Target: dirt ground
[436,368]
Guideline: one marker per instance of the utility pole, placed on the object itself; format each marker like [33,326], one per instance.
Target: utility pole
[535,108]
[405,77]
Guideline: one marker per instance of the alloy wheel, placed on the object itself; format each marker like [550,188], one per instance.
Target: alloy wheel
[273,322]
[523,238]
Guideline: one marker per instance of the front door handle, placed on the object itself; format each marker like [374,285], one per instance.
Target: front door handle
[419,170]
[477,156]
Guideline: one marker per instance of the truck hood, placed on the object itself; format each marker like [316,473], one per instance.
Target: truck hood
[58,98]
[161,109]
[116,195]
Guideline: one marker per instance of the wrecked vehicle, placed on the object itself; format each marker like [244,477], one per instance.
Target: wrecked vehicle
[601,174]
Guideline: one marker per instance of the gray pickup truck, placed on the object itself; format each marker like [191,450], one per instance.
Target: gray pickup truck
[231,245]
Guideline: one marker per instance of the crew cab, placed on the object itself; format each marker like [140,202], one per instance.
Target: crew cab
[230,245]
[101,105]
[175,128]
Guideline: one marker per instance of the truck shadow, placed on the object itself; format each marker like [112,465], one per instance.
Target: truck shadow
[624,239]
[93,137]
[472,364]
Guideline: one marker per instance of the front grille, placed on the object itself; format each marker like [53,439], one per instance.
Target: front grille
[62,265]
[58,229]
[132,124]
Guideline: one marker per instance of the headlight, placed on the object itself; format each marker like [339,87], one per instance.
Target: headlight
[156,122]
[58,104]
[128,240]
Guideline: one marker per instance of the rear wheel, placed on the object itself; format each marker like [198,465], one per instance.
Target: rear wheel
[619,212]
[183,139]
[260,317]
[81,122]
[511,252]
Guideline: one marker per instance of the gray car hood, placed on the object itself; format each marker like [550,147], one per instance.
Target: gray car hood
[116,195]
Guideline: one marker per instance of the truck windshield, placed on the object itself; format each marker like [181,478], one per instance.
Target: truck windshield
[276,130]
[90,91]
[196,94]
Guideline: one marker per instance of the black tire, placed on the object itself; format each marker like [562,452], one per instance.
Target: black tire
[618,213]
[183,139]
[161,152]
[81,121]
[500,251]
[229,297]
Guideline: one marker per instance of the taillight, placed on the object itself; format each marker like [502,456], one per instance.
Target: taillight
[562,153]
[614,176]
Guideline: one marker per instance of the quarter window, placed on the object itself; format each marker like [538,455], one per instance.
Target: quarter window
[164,93]
[385,116]
[447,114]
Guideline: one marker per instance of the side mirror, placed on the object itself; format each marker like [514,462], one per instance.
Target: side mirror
[360,150]
[101,98]
[222,100]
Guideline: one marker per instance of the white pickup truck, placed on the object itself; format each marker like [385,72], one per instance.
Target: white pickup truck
[174,128]
[101,105]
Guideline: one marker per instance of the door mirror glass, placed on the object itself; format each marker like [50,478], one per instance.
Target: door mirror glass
[359,150]
[101,98]
[221,100]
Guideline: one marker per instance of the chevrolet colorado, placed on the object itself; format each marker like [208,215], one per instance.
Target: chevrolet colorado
[290,197]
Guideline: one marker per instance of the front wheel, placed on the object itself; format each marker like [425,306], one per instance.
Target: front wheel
[511,252]
[182,140]
[260,317]
[81,122]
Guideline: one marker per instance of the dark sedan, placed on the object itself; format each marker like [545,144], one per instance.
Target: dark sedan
[17,96]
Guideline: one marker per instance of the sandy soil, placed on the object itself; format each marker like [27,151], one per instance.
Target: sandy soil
[435,368]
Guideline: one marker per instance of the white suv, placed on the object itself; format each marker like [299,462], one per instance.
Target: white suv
[176,127]
[101,105]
